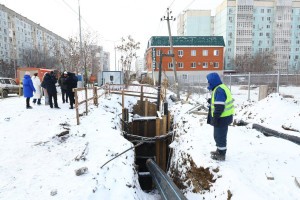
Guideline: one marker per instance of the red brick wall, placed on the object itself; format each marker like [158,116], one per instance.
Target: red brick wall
[187,59]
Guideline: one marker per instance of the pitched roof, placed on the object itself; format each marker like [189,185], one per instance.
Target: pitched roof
[187,41]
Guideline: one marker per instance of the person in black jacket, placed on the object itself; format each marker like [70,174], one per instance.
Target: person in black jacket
[63,87]
[49,83]
[71,82]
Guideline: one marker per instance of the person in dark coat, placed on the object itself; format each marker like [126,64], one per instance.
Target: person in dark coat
[220,114]
[49,83]
[28,89]
[63,87]
[71,82]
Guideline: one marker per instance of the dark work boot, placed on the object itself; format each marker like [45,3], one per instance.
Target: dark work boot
[218,156]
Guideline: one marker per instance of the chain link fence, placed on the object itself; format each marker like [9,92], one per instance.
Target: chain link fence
[198,83]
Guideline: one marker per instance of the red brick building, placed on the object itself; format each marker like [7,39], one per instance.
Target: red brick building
[195,56]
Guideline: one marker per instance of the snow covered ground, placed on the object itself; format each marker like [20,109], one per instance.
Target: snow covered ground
[35,163]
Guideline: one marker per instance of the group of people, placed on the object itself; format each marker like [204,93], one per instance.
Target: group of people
[32,87]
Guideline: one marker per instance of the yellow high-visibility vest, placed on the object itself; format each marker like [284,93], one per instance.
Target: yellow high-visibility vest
[229,108]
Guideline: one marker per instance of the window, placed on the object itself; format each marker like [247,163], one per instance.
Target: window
[180,65]
[180,53]
[184,76]
[205,52]
[216,52]
[193,52]
[216,65]
[158,52]
[296,57]
[205,65]
[193,65]
[170,65]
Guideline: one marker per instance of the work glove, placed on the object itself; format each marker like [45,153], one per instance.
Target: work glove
[209,101]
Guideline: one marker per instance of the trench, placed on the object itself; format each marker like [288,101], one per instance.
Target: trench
[145,126]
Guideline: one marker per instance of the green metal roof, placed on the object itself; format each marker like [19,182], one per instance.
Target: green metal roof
[187,41]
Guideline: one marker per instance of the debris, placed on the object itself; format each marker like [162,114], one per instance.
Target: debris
[81,171]
[269,177]
[62,133]
[53,192]
[297,182]
[41,143]
[83,153]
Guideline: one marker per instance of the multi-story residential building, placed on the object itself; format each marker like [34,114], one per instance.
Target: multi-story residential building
[195,23]
[255,26]
[195,56]
[19,36]
[139,66]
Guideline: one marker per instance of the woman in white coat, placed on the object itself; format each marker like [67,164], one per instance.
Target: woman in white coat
[37,85]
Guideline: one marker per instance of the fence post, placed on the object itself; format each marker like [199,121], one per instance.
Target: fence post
[76,106]
[249,77]
[278,77]
[86,101]
[95,96]
[230,81]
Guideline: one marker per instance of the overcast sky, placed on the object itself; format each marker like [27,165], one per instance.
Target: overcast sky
[111,19]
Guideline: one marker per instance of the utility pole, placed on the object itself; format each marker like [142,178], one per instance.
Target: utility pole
[85,71]
[168,18]
[80,39]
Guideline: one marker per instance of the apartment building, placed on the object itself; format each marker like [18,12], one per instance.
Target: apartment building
[195,23]
[256,26]
[19,35]
[194,55]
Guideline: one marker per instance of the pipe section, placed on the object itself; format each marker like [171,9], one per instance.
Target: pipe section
[166,187]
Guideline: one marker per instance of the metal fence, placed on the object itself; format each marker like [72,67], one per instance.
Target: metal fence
[198,83]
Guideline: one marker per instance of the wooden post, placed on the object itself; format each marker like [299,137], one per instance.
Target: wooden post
[142,93]
[95,96]
[163,144]
[168,122]
[146,107]
[86,101]
[76,106]
[123,98]
[157,146]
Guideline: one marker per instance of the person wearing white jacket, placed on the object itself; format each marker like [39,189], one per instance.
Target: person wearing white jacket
[37,85]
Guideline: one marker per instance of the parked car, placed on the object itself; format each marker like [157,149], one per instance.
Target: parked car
[8,86]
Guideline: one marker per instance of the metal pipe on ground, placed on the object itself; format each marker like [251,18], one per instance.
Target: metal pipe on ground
[166,187]
[270,132]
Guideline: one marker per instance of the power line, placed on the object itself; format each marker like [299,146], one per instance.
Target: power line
[76,14]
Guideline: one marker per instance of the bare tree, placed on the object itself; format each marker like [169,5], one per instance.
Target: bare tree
[128,50]
[88,53]
[263,62]
[7,69]
[260,62]
[37,58]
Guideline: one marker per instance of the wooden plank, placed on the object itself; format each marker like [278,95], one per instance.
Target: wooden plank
[163,144]
[157,145]
[76,107]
